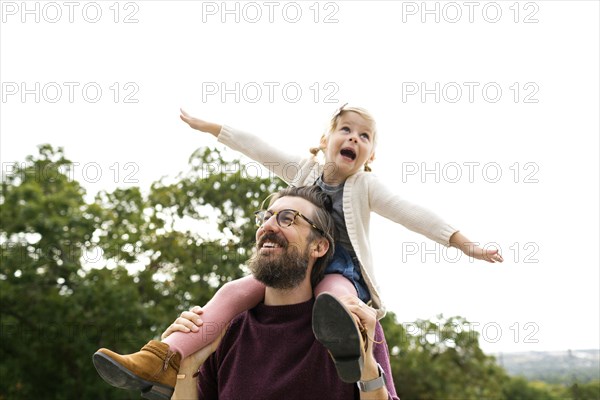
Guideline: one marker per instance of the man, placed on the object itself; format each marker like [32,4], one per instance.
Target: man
[270,352]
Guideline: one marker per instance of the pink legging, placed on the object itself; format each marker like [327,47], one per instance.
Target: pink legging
[235,297]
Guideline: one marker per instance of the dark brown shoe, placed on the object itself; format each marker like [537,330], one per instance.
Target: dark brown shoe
[152,370]
[335,327]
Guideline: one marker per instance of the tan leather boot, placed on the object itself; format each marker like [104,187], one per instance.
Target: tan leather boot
[152,370]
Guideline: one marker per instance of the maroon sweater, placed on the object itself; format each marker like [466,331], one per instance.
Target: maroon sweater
[270,353]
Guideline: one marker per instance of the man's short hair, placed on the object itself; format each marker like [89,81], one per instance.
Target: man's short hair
[322,218]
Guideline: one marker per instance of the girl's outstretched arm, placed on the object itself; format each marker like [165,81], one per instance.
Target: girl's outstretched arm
[200,125]
[468,247]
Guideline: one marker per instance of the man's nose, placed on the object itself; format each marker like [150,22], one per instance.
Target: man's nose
[270,224]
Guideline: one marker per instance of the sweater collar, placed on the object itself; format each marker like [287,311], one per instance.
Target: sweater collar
[281,314]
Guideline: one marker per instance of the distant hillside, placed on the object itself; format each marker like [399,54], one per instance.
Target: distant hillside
[564,367]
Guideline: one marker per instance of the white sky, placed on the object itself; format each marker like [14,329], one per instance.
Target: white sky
[542,209]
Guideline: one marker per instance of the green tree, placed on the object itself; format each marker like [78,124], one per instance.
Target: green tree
[112,273]
[441,360]
[585,391]
[44,228]
[518,388]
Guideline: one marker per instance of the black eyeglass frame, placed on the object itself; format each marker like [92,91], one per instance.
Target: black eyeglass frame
[260,219]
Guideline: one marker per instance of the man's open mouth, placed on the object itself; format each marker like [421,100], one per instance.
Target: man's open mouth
[271,241]
[270,245]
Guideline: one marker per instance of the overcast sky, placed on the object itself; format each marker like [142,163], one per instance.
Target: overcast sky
[487,114]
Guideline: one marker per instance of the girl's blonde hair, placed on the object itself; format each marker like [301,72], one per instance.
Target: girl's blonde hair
[335,119]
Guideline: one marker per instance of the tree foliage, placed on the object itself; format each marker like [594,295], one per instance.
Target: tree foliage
[114,272]
[440,359]
[77,275]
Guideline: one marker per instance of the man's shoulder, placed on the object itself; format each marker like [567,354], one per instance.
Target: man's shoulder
[238,320]
[235,327]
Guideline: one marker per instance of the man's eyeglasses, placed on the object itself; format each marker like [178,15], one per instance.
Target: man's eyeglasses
[284,218]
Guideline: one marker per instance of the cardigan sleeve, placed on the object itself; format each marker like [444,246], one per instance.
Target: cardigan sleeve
[412,216]
[291,168]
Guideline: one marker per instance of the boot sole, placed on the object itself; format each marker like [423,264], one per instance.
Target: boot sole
[118,376]
[335,328]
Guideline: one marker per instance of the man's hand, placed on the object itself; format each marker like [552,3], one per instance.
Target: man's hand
[367,317]
[189,321]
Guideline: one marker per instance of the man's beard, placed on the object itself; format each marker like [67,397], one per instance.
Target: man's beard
[285,271]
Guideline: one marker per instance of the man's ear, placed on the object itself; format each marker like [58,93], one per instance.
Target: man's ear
[320,247]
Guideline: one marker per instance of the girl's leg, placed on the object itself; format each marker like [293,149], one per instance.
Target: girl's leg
[336,284]
[154,368]
[230,300]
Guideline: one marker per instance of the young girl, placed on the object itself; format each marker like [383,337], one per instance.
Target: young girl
[349,148]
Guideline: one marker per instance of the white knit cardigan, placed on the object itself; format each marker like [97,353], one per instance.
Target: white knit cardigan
[363,193]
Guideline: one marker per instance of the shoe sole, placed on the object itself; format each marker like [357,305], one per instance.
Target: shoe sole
[335,328]
[118,376]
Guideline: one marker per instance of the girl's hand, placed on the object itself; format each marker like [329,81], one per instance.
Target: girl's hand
[489,255]
[458,240]
[188,321]
[200,124]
